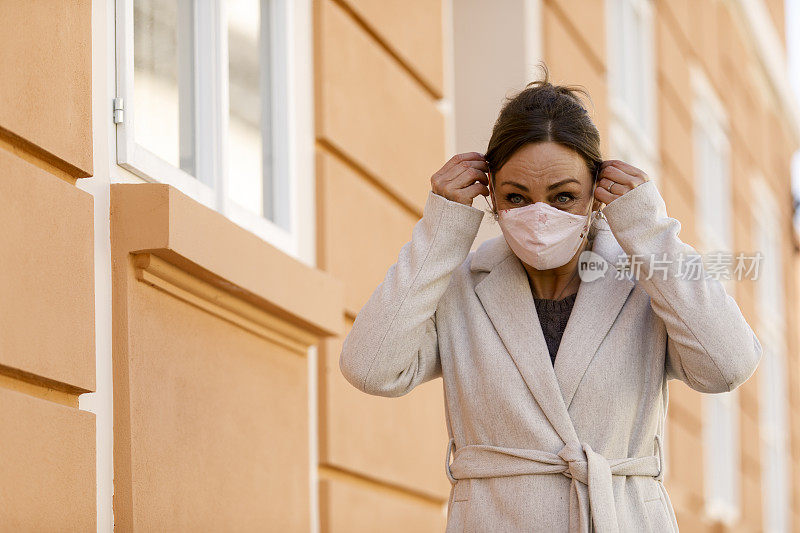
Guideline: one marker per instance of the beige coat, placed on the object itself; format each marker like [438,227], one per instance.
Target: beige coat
[536,448]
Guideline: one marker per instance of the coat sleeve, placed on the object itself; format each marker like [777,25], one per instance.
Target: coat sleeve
[710,345]
[393,345]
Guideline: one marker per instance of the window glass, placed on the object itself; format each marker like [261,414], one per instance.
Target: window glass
[773,414]
[164,80]
[631,80]
[249,154]
[713,201]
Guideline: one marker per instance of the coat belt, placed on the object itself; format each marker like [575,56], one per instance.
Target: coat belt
[591,501]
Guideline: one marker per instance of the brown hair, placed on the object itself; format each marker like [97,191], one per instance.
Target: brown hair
[544,112]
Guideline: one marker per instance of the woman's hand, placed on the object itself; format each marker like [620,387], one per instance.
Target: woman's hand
[616,178]
[462,178]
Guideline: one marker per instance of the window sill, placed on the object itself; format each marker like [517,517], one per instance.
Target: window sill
[187,237]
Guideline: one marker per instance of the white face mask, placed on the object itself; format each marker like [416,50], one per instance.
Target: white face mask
[544,236]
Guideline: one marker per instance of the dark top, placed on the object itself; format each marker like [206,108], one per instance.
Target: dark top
[553,316]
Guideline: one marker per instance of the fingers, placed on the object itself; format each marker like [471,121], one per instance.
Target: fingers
[616,178]
[462,178]
[624,167]
[614,187]
[604,196]
[475,189]
[614,174]
[467,176]
[460,158]
[463,170]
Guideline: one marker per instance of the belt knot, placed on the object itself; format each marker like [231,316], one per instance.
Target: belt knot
[595,492]
[591,498]
[576,461]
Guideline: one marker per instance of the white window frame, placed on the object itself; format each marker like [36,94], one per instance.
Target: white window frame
[773,388]
[291,128]
[710,120]
[720,411]
[722,458]
[631,139]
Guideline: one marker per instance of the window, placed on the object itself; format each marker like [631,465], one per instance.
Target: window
[721,455]
[713,203]
[215,99]
[631,82]
[773,394]
[712,167]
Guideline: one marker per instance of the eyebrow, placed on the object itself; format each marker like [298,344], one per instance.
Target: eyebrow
[549,187]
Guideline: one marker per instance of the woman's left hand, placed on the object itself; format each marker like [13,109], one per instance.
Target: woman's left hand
[616,178]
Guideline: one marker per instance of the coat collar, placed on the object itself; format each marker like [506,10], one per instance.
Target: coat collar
[506,296]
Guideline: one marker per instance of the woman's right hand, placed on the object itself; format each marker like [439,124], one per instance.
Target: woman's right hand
[462,178]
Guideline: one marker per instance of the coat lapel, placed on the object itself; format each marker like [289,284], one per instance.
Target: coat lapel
[506,296]
[596,307]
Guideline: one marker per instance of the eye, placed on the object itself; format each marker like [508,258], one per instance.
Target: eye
[568,196]
[513,195]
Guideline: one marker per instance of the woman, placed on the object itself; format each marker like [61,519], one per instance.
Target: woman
[550,433]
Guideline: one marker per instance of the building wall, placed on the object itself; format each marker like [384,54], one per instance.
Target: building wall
[207,334]
[380,135]
[212,331]
[162,363]
[712,35]
[47,444]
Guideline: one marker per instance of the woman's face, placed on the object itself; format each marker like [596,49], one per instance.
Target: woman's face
[545,172]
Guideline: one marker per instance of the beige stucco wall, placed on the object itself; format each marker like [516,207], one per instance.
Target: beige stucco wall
[708,32]
[379,137]
[211,335]
[47,445]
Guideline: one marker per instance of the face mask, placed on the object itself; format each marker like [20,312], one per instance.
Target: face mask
[544,236]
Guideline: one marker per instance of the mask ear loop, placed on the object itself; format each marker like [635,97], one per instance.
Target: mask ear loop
[599,213]
[491,191]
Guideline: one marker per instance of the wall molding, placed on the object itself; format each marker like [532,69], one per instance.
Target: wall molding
[172,279]
[39,387]
[157,219]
